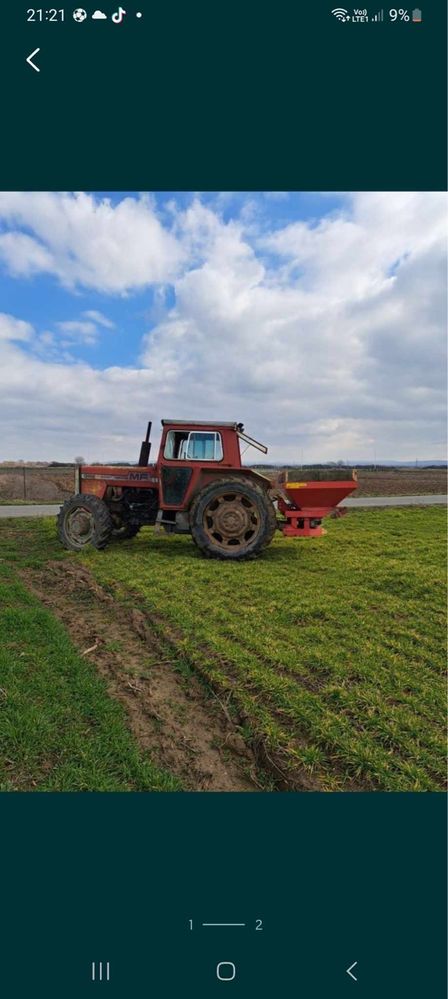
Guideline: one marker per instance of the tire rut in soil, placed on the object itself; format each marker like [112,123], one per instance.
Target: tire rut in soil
[172,716]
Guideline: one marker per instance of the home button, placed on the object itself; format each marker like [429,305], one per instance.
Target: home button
[225,971]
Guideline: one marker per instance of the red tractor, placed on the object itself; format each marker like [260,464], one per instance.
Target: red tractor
[198,486]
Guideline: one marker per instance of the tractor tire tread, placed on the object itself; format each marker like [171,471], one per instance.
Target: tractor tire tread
[263,540]
[103,520]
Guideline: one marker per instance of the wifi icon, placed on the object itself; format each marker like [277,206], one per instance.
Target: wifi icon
[340,13]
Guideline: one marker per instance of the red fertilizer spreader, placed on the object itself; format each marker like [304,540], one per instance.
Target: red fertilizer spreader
[305,504]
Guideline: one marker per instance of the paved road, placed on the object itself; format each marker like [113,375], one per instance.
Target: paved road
[51,511]
[396,501]
[46,510]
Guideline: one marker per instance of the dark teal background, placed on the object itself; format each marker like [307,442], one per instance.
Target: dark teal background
[335,879]
[219,96]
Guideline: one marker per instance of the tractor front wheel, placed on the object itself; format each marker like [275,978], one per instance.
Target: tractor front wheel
[232,519]
[84,520]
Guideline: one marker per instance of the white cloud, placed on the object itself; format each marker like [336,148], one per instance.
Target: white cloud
[99,318]
[47,338]
[85,330]
[24,255]
[77,329]
[87,242]
[321,351]
[322,338]
[14,329]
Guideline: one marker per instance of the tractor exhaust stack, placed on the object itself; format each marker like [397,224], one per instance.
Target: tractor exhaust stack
[145,449]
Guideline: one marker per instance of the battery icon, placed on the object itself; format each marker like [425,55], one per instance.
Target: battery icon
[417,15]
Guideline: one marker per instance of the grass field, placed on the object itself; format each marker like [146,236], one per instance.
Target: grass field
[59,728]
[328,654]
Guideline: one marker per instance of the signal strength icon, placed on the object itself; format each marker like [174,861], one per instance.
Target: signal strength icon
[340,13]
[379,16]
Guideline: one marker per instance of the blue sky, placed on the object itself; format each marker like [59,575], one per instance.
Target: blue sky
[43,302]
[318,319]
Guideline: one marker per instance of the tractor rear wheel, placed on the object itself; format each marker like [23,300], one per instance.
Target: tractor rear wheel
[84,520]
[232,519]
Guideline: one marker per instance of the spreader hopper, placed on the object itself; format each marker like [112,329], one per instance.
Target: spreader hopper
[304,504]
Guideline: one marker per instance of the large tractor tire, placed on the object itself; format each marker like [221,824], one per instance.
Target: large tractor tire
[232,519]
[84,520]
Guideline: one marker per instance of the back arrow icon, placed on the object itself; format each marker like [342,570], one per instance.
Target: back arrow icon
[350,969]
[30,58]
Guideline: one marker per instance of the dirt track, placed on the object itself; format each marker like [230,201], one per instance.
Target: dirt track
[185,728]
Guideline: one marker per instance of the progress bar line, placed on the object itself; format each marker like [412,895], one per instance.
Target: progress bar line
[223,924]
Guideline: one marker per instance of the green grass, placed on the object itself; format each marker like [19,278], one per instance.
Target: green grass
[59,728]
[332,649]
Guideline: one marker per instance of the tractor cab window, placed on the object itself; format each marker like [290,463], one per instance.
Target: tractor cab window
[193,445]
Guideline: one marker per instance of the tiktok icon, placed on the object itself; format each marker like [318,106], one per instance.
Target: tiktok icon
[119,15]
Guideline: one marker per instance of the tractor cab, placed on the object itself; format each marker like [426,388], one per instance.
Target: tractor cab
[204,441]
[192,454]
[200,442]
[193,445]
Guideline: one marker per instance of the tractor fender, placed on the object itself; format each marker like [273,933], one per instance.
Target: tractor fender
[210,474]
[93,486]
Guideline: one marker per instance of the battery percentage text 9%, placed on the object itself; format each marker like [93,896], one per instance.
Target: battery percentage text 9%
[399,15]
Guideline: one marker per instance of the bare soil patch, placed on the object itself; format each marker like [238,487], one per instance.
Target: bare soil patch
[405,482]
[36,484]
[182,725]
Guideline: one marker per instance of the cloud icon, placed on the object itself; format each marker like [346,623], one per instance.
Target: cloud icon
[99,16]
